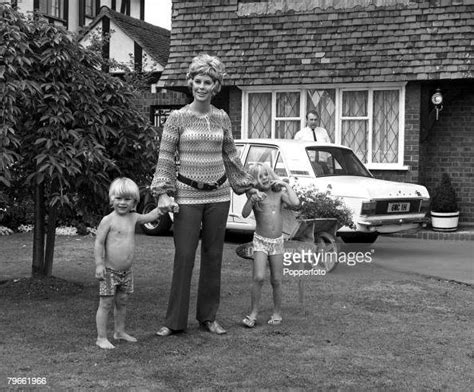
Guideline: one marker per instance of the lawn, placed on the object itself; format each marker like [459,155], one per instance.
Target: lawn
[361,328]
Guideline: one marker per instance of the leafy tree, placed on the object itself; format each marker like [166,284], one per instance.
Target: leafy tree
[66,127]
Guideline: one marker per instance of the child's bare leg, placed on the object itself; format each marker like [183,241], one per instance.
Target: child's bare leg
[276,270]
[258,277]
[105,306]
[119,318]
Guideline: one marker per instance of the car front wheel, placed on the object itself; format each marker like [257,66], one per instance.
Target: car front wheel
[358,238]
[161,226]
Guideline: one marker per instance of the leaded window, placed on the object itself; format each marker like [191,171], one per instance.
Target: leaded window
[368,119]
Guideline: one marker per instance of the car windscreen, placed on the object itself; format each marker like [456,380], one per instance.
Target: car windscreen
[333,161]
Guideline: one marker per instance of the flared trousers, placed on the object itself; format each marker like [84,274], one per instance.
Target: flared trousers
[193,219]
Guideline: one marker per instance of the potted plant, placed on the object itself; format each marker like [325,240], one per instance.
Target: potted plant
[444,208]
[316,204]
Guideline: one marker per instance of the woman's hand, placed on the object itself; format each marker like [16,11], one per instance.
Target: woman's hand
[165,203]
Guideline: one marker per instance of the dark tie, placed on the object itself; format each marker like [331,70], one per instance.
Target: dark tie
[314,135]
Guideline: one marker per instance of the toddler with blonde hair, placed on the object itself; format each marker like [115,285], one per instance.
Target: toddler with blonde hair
[268,236]
[113,251]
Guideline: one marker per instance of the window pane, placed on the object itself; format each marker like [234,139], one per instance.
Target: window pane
[385,127]
[267,155]
[329,161]
[239,148]
[354,103]
[56,8]
[90,7]
[280,169]
[52,8]
[288,104]
[286,129]
[354,135]
[43,6]
[260,110]
[324,102]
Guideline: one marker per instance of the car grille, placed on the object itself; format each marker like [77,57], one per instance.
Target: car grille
[381,206]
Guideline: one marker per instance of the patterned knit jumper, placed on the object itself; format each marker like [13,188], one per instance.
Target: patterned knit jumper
[206,151]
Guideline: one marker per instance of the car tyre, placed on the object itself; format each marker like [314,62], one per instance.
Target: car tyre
[159,227]
[358,238]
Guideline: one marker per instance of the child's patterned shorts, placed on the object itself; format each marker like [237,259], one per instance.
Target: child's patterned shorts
[116,281]
[270,246]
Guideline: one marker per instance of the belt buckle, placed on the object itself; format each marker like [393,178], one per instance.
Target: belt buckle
[200,185]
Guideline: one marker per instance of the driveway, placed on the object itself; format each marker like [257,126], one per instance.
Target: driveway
[444,259]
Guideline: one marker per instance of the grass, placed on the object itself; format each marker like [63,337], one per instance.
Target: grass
[361,328]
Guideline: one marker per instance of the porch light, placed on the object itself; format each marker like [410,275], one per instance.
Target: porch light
[437,100]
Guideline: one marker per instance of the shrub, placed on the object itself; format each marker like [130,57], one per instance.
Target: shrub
[444,196]
[18,212]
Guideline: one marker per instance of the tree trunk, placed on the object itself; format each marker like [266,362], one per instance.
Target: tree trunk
[38,233]
[50,239]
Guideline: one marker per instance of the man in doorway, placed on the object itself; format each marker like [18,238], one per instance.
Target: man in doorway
[312,131]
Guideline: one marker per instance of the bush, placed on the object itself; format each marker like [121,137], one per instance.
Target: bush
[444,197]
[17,212]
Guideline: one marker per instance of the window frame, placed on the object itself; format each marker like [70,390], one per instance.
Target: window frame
[48,14]
[339,89]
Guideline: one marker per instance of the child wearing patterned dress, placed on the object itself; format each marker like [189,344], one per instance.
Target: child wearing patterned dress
[268,237]
[113,251]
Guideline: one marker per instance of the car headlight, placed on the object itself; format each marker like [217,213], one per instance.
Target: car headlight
[368,207]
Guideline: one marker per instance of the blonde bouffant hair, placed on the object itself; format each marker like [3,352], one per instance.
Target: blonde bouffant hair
[205,64]
[124,187]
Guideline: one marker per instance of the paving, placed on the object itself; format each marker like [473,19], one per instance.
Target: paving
[448,256]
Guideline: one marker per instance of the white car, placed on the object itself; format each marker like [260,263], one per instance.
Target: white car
[378,206]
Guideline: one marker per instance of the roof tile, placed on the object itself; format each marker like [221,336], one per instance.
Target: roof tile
[413,40]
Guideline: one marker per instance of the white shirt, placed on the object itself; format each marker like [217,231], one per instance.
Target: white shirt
[307,134]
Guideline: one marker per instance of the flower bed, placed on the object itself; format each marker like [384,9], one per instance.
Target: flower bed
[62,230]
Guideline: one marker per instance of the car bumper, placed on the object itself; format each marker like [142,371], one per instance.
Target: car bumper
[392,224]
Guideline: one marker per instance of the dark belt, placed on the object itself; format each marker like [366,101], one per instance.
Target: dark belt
[203,186]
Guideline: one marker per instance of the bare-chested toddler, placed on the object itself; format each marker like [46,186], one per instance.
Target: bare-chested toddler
[268,237]
[113,251]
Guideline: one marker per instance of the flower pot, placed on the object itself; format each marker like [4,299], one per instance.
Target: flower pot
[444,221]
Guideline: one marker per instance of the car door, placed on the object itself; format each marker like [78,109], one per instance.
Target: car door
[241,150]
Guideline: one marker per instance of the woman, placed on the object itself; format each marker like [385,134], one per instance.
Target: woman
[209,164]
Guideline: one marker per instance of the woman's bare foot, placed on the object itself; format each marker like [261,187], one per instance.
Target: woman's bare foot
[104,343]
[124,336]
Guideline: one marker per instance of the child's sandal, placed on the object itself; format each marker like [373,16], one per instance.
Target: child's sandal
[274,321]
[249,322]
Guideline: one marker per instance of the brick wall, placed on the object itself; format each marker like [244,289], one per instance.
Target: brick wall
[449,146]
[235,111]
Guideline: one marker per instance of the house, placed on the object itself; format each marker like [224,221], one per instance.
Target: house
[76,14]
[374,70]
[132,40]
[142,47]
